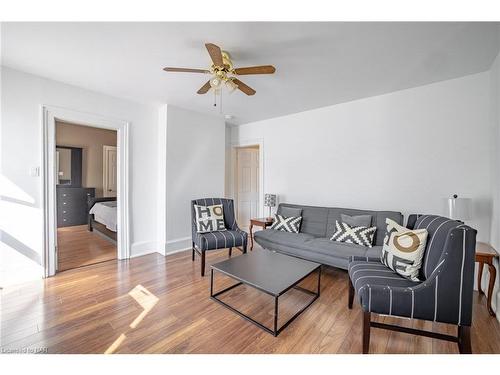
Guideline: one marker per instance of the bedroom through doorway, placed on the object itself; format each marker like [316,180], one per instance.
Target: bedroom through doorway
[86,195]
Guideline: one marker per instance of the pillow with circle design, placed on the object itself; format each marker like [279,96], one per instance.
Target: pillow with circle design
[404,249]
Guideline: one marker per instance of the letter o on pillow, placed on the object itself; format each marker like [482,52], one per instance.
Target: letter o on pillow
[415,242]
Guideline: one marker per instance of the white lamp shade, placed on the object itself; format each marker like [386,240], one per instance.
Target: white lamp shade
[459,208]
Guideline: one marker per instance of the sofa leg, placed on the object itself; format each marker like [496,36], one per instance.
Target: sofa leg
[244,247]
[202,263]
[464,345]
[366,332]
[193,251]
[351,294]
[230,252]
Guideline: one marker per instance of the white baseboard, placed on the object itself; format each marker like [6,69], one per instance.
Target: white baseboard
[177,245]
[142,248]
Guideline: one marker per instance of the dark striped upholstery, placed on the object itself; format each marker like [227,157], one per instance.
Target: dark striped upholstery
[445,295]
[232,237]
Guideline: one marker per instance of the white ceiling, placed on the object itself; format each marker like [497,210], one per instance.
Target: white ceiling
[318,64]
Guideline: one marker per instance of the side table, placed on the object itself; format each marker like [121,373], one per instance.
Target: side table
[263,222]
[485,254]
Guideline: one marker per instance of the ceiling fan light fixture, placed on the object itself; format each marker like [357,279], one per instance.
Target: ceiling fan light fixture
[231,85]
[215,82]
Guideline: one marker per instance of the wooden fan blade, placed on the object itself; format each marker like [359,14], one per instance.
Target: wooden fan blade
[204,89]
[263,69]
[242,87]
[215,54]
[186,70]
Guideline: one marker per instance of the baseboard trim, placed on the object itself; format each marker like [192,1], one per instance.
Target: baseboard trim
[143,248]
[178,244]
[177,251]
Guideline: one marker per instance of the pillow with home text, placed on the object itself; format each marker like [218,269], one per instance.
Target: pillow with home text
[209,218]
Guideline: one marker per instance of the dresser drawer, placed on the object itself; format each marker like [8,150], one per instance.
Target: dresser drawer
[72,205]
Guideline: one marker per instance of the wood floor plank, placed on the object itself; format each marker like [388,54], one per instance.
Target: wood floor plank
[156,304]
[77,247]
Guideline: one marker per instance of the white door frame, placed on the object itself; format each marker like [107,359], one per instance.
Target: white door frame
[48,178]
[105,168]
[234,175]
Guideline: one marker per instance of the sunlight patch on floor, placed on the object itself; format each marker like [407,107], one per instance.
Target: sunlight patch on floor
[147,301]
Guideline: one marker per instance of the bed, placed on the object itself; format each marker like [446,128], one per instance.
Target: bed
[103,216]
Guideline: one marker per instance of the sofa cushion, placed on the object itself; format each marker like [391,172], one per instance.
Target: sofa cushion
[378,220]
[357,221]
[314,219]
[340,249]
[280,237]
[311,244]
[289,211]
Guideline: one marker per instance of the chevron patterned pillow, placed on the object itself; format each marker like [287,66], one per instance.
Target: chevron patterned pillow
[286,224]
[358,235]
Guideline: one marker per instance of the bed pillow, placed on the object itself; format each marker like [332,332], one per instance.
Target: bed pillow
[357,221]
[209,218]
[403,249]
[286,224]
[358,235]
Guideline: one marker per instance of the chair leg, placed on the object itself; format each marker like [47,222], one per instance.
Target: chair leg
[464,345]
[230,252]
[193,251]
[351,294]
[202,263]
[366,332]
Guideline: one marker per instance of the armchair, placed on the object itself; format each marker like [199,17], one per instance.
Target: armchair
[233,236]
[444,295]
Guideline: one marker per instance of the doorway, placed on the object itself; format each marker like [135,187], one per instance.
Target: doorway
[247,183]
[109,181]
[54,173]
[86,194]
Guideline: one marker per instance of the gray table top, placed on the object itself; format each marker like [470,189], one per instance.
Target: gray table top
[270,272]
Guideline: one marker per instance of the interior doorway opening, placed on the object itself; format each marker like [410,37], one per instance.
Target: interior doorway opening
[50,172]
[247,184]
[86,195]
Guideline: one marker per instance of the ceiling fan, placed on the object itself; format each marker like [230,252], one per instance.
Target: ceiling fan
[222,72]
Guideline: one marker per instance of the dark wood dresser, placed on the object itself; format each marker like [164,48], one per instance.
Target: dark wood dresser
[72,205]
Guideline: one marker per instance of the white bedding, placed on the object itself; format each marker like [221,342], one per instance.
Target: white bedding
[105,213]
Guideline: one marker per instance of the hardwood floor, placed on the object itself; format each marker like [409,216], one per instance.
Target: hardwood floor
[78,247]
[156,304]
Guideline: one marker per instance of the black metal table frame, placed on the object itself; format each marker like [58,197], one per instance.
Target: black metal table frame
[275,331]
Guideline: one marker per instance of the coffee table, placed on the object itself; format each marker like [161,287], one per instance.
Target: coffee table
[271,273]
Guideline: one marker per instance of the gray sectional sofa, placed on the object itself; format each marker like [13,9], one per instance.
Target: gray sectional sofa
[318,225]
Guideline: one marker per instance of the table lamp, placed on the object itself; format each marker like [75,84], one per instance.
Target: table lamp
[459,208]
[269,201]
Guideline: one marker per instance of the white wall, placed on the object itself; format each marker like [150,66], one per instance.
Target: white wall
[195,153]
[403,151]
[495,174]
[20,210]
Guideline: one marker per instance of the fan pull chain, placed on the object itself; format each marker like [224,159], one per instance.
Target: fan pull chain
[220,107]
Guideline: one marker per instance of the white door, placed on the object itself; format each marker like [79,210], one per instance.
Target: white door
[109,171]
[247,164]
